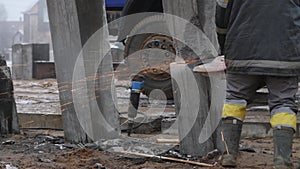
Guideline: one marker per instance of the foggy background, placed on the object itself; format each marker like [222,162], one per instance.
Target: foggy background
[15,8]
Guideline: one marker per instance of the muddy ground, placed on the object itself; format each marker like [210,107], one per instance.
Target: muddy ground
[47,148]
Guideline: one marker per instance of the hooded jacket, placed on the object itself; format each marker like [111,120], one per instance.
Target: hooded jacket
[263,37]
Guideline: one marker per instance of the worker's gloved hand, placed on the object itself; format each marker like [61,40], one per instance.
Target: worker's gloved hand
[137,86]
[217,65]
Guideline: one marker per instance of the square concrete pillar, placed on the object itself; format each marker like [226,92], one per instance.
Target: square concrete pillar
[23,58]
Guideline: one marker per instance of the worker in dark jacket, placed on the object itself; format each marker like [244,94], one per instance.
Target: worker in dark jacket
[262,48]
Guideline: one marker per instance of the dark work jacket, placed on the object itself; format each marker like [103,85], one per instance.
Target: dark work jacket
[263,37]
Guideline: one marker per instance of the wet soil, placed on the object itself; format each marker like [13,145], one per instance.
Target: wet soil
[44,149]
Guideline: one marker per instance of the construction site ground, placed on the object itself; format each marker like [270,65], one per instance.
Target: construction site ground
[46,148]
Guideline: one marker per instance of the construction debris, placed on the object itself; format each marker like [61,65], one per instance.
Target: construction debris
[166,158]
[167,141]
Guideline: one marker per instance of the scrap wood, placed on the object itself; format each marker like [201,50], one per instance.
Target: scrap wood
[167,140]
[166,158]
[225,143]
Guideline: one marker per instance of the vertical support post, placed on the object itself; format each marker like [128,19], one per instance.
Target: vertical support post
[192,101]
[200,13]
[22,61]
[203,46]
[73,23]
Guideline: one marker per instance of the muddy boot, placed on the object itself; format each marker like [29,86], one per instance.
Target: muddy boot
[297,165]
[231,129]
[283,140]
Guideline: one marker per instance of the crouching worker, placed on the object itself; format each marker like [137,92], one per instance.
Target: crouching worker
[8,111]
[261,49]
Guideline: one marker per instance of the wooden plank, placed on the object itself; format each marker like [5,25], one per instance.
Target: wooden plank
[72,23]
[166,158]
[167,140]
[51,121]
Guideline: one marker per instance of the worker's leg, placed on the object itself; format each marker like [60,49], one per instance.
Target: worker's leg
[133,105]
[282,92]
[137,84]
[240,90]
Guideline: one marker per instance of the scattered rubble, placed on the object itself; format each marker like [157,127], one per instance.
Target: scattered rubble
[48,148]
[40,149]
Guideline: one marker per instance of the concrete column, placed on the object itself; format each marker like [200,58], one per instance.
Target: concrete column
[22,61]
[83,69]
[193,95]
[23,58]
[200,13]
